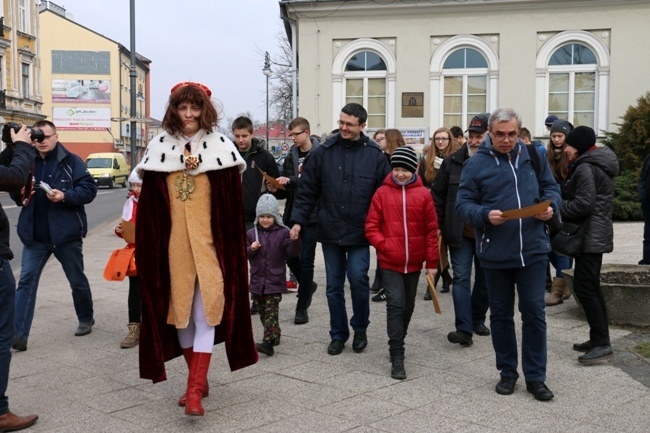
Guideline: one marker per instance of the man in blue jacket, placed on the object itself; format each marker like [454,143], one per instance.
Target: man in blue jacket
[513,252]
[54,222]
[340,178]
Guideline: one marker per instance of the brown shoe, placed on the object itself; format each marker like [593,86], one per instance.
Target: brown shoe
[12,422]
[566,291]
[133,338]
[555,297]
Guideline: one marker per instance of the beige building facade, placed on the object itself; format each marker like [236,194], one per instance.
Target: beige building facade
[423,65]
[20,91]
[85,79]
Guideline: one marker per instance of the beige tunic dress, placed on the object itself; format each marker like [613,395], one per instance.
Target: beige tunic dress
[192,255]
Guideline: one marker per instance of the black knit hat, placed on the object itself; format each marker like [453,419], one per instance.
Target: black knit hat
[581,139]
[561,126]
[404,157]
[550,119]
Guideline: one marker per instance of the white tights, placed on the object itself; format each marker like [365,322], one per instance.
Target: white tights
[198,333]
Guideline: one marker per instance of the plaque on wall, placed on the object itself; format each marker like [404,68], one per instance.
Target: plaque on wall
[413,104]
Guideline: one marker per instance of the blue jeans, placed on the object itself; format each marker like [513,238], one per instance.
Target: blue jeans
[470,305]
[559,262]
[353,261]
[7,294]
[35,256]
[303,266]
[530,282]
[400,303]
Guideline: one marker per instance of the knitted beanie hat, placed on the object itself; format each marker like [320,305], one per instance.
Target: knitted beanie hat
[581,138]
[550,119]
[561,126]
[268,205]
[404,157]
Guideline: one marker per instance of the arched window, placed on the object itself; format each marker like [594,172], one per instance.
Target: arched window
[572,79]
[365,84]
[572,84]
[464,74]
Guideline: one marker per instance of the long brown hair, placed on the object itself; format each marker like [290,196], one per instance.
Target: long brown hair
[191,94]
[559,166]
[430,157]
[393,139]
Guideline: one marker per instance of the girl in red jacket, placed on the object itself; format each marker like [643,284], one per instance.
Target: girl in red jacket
[403,227]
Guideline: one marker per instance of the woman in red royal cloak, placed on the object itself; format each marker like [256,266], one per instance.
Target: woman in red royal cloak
[191,251]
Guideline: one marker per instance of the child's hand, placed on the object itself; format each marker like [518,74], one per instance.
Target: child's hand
[255,246]
[432,273]
[118,229]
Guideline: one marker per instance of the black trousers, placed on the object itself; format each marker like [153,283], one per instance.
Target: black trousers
[586,287]
[134,300]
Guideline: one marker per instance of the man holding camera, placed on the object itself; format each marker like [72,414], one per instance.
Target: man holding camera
[53,221]
[15,163]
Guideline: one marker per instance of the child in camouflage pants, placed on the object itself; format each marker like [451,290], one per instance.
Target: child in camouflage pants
[268,245]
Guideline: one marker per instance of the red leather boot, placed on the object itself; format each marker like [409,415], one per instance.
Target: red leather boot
[195,383]
[187,354]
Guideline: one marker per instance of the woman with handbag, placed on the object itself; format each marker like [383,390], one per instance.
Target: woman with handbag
[588,198]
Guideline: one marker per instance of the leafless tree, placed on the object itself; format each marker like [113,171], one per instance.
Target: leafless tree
[280,90]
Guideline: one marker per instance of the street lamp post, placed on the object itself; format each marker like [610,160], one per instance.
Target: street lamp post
[267,72]
[132,76]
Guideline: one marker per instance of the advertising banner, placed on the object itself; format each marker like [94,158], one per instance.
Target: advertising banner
[82,91]
[81,119]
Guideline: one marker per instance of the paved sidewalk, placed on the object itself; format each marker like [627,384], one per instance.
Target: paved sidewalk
[88,384]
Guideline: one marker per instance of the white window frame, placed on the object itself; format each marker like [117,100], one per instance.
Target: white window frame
[339,74]
[437,74]
[26,81]
[23,16]
[601,96]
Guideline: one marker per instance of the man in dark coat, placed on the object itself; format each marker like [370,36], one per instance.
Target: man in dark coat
[340,178]
[256,157]
[54,223]
[302,266]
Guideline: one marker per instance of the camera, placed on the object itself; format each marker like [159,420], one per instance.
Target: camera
[35,133]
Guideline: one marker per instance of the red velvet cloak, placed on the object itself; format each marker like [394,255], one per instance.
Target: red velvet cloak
[158,340]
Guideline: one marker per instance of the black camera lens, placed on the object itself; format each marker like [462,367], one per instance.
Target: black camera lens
[36,134]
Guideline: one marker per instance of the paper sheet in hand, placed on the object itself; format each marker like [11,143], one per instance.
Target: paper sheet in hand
[527,211]
[128,231]
[434,295]
[270,179]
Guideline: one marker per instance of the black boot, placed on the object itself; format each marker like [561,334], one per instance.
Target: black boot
[446,281]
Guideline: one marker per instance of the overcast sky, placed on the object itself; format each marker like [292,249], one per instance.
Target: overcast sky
[220,43]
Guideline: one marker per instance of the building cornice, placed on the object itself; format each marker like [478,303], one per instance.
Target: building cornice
[315,9]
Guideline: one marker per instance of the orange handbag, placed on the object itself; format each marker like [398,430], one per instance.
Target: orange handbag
[121,264]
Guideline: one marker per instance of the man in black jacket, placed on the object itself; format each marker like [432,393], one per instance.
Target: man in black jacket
[255,156]
[340,178]
[470,306]
[253,183]
[15,164]
[303,265]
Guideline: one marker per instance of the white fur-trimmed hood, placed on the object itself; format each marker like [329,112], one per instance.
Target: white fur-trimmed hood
[166,153]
